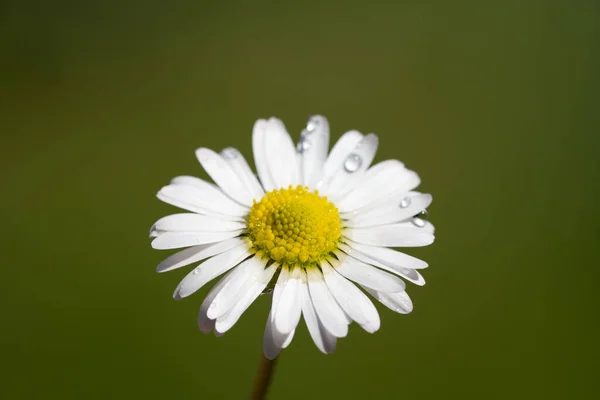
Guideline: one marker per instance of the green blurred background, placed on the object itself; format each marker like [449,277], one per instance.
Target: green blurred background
[495,104]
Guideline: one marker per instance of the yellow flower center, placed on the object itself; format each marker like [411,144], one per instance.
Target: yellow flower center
[294,226]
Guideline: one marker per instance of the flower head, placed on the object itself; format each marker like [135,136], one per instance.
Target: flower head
[314,227]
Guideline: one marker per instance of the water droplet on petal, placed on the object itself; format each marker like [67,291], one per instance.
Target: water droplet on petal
[303,144]
[352,163]
[420,220]
[230,153]
[268,290]
[197,271]
[312,124]
[405,202]
[423,215]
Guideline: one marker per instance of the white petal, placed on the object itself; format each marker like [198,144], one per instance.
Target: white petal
[274,144]
[284,276]
[412,276]
[175,240]
[346,179]
[188,222]
[324,340]
[210,269]
[384,179]
[206,324]
[382,255]
[287,313]
[313,147]
[283,170]
[270,348]
[259,280]
[287,341]
[197,253]
[340,151]
[398,302]
[404,234]
[329,312]
[224,176]
[238,163]
[350,298]
[198,196]
[261,154]
[198,183]
[407,273]
[390,212]
[238,285]
[366,274]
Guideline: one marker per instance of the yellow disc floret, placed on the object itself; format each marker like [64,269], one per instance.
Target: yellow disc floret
[294,226]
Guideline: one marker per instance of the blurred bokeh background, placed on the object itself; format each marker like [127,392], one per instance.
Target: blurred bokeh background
[494,103]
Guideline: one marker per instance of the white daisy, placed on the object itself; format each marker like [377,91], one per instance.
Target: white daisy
[312,227]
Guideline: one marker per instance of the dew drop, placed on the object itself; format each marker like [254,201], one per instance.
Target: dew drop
[303,144]
[270,288]
[312,124]
[196,271]
[405,202]
[230,153]
[420,220]
[423,215]
[352,163]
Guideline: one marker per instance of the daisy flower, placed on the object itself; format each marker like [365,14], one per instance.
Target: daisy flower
[313,229]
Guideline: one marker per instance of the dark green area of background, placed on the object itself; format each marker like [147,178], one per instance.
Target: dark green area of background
[495,104]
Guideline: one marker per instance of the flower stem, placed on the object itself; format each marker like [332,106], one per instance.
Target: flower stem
[263,378]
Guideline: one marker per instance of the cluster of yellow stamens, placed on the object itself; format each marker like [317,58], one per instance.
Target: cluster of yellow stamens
[294,226]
